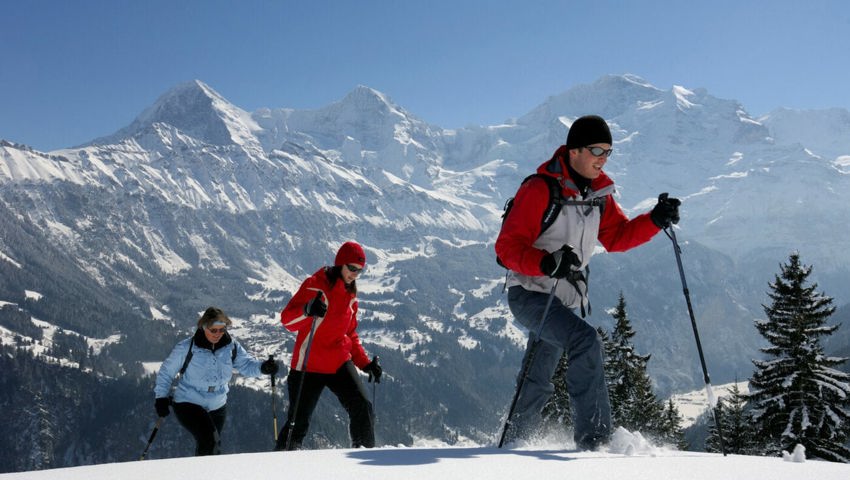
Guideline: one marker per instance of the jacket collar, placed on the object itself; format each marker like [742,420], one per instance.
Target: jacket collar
[556,167]
[201,340]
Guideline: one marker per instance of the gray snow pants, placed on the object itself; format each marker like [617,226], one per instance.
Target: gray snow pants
[562,331]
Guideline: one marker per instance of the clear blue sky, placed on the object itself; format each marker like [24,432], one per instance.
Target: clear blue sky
[71,71]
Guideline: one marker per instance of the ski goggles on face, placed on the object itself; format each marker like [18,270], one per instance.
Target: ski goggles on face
[599,151]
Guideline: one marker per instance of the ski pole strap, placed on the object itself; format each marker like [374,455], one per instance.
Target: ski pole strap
[574,278]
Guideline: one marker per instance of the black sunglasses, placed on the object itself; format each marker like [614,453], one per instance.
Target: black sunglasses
[216,331]
[599,151]
[353,268]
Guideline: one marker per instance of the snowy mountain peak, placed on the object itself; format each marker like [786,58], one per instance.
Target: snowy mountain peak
[626,81]
[632,78]
[194,95]
[365,120]
[610,96]
[197,110]
[365,99]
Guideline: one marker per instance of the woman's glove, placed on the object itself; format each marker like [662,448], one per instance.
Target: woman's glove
[161,404]
[269,367]
[374,370]
[316,307]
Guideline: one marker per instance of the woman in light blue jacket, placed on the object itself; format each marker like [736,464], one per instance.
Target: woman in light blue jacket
[203,366]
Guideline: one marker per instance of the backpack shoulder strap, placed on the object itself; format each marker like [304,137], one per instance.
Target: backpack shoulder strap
[556,201]
[552,209]
[188,358]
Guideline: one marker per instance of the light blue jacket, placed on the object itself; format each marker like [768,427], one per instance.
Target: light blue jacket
[205,381]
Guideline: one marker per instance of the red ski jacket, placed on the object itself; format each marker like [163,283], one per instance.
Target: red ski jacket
[335,340]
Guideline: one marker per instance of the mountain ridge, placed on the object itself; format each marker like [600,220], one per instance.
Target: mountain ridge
[169,219]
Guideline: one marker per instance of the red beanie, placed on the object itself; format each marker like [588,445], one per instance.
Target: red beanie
[350,253]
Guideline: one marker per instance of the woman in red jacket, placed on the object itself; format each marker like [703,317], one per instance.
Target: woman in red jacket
[330,355]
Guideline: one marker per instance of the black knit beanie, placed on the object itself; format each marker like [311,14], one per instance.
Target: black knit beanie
[588,130]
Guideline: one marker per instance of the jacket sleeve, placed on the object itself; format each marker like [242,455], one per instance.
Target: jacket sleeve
[292,316]
[522,227]
[617,233]
[358,353]
[245,363]
[170,368]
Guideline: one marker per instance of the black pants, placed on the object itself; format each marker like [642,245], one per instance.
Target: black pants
[204,426]
[347,387]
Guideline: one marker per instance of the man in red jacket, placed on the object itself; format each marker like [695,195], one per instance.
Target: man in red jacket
[329,298]
[537,258]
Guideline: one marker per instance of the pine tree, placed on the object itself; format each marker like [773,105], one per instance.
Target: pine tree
[738,434]
[646,412]
[798,397]
[39,436]
[608,349]
[671,432]
[634,406]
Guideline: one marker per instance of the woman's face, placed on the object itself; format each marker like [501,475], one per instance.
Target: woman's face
[214,333]
[350,273]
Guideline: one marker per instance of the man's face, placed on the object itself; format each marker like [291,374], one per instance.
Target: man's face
[586,163]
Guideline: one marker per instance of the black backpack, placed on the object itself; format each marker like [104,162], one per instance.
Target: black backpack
[556,202]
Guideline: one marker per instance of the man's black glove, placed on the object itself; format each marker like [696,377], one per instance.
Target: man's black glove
[374,370]
[316,307]
[161,404]
[269,367]
[559,263]
[666,211]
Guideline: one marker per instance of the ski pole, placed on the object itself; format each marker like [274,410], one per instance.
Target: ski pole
[527,364]
[153,435]
[375,397]
[374,409]
[712,400]
[274,403]
[295,401]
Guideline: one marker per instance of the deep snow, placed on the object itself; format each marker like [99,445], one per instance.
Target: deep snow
[628,456]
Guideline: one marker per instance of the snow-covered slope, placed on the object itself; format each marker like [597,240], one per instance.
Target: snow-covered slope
[431,463]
